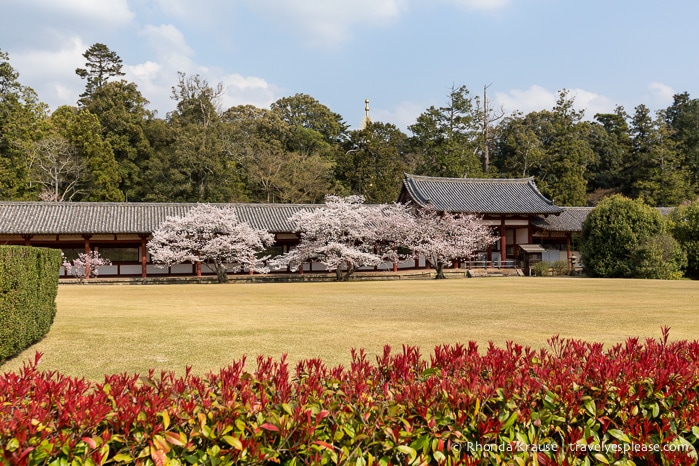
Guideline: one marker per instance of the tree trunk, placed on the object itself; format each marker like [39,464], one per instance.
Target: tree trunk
[221,273]
[348,272]
[439,267]
[338,274]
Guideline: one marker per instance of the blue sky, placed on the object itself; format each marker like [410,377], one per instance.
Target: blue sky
[404,55]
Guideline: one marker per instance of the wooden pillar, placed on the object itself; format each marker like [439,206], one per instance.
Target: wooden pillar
[87,251]
[144,257]
[250,271]
[503,240]
[568,252]
[27,239]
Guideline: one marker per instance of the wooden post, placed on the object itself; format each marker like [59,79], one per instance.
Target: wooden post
[568,252]
[87,251]
[250,272]
[503,240]
[144,257]
[27,239]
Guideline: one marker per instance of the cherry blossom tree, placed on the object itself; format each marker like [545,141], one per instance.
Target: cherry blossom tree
[213,236]
[394,228]
[341,235]
[442,237]
[86,265]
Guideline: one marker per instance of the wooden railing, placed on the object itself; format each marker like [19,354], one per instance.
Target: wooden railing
[496,264]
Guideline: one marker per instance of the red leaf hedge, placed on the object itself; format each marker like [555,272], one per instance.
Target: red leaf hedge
[574,403]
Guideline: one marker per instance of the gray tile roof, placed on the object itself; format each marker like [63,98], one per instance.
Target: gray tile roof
[479,196]
[48,218]
[571,219]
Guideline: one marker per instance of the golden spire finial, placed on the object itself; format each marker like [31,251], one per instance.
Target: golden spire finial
[366,119]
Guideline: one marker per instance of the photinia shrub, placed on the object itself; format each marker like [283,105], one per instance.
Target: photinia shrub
[572,404]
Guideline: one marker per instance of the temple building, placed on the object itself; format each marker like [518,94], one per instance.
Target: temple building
[524,220]
[510,206]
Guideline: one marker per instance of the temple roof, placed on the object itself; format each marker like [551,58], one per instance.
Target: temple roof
[478,195]
[571,219]
[48,218]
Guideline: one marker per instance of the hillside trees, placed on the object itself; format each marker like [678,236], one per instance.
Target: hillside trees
[22,117]
[298,149]
[212,236]
[610,140]
[197,165]
[275,172]
[659,177]
[124,119]
[445,139]
[520,151]
[551,145]
[121,110]
[683,117]
[82,129]
[374,162]
[313,127]
[72,161]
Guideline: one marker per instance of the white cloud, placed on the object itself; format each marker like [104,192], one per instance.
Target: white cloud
[533,99]
[328,22]
[156,79]
[204,13]
[403,115]
[661,95]
[537,98]
[240,90]
[485,5]
[53,72]
[104,12]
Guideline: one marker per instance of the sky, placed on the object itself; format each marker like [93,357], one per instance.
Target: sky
[402,55]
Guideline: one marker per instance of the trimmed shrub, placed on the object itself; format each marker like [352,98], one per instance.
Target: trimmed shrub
[28,287]
[613,231]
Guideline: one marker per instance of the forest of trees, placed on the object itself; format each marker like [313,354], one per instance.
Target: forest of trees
[110,147]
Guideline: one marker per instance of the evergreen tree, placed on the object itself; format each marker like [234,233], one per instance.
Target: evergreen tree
[102,64]
[446,139]
[374,163]
[658,175]
[123,116]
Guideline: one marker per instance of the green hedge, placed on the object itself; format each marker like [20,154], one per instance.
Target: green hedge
[28,287]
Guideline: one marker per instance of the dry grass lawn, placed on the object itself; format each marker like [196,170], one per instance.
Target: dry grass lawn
[119,328]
